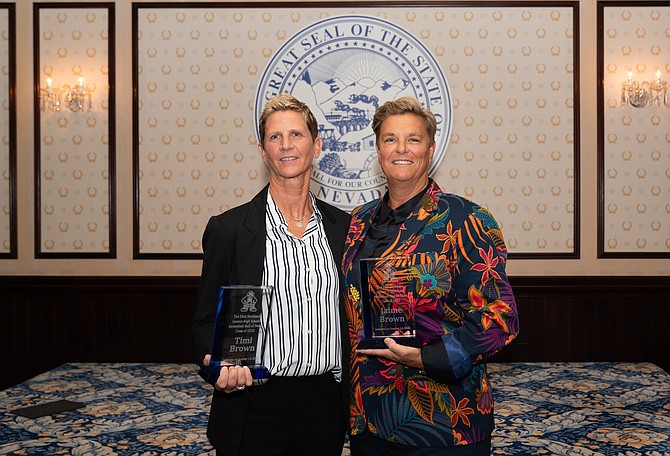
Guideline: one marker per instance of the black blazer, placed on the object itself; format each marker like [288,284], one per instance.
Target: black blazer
[234,249]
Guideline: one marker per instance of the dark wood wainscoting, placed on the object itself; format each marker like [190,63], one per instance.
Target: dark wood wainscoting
[48,321]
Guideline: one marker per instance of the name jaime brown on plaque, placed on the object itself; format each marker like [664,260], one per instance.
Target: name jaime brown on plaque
[386,284]
[391,316]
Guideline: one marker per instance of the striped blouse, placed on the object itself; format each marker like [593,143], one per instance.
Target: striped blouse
[304,329]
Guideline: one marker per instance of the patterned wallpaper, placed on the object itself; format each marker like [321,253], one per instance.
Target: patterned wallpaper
[510,71]
[5,184]
[74,146]
[636,164]
[512,149]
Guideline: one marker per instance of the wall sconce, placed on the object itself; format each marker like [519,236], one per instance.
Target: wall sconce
[641,94]
[76,99]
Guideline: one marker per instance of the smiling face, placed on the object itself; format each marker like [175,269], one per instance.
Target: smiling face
[288,148]
[405,151]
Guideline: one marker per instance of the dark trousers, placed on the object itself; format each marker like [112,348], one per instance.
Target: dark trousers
[366,444]
[295,416]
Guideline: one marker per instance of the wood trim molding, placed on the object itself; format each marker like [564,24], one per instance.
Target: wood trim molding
[48,321]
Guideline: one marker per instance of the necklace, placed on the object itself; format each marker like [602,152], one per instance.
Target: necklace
[298,221]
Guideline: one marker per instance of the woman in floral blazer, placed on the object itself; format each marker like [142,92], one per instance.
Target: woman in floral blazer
[435,399]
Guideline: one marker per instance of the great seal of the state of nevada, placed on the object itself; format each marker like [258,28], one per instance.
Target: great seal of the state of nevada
[343,68]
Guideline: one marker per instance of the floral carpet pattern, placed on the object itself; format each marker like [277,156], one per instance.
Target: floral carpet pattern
[581,409]
[161,409]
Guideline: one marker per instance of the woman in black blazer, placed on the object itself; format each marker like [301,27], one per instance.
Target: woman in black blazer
[286,238]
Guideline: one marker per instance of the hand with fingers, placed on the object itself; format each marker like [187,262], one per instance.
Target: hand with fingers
[232,378]
[409,356]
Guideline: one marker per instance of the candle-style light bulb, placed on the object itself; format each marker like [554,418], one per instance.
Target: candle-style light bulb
[81,83]
[658,76]
[49,81]
[630,77]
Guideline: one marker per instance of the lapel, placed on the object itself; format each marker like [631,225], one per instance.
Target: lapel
[361,221]
[422,213]
[252,233]
[335,231]
[251,241]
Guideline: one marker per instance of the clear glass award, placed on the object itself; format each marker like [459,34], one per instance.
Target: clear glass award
[239,331]
[388,311]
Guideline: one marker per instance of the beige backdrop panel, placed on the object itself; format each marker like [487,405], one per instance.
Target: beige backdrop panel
[637,140]
[74,158]
[510,71]
[5,186]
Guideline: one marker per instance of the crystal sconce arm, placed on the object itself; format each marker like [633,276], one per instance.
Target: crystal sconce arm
[54,99]
[640,94]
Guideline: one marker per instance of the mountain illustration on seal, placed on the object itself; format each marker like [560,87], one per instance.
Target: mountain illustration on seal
[344,103]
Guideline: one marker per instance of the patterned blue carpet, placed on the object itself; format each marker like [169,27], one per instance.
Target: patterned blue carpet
[581,409]
[161,409]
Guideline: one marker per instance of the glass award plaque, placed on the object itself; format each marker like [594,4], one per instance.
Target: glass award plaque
[386,286]
[239,331]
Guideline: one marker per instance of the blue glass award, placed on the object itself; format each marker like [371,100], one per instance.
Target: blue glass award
[388,311]
[239,331]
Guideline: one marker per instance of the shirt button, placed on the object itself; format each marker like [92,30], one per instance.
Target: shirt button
[309,331]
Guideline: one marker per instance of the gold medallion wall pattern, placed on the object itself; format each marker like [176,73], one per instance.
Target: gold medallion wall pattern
[636,156]
[74,146]
[5,172]
[511,74]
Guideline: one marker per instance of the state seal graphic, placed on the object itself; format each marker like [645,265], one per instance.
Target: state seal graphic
[343,68]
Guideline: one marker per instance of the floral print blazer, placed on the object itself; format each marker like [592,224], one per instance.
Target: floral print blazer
[464,312]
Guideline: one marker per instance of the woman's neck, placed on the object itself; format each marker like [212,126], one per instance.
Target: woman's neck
[290,193]
[401,192]
[293,201]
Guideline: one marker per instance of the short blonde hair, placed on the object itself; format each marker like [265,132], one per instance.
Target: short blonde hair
[287,102]
[404,105]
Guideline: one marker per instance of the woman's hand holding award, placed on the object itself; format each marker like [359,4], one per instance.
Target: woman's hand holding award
[239,331]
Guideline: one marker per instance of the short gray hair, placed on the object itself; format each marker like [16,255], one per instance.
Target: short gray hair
[287,102]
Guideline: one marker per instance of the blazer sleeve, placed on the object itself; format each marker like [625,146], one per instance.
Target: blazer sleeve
[483,291]
[217,267]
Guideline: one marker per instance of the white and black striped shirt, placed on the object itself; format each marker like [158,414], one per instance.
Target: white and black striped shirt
[304,329]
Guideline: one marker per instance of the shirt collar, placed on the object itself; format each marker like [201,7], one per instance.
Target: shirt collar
[277,219]
[403,211]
